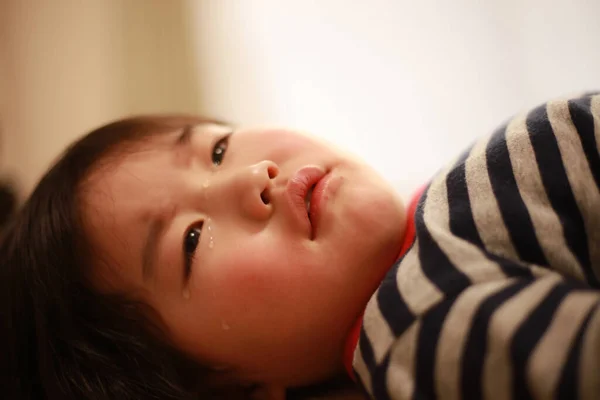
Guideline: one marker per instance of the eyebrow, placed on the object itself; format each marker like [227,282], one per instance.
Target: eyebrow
[149,249]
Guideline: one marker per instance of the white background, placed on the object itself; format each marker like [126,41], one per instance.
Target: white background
[405,84]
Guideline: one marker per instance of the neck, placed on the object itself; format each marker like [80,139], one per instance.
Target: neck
[406,242]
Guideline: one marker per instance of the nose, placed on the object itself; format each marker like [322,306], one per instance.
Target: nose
[249,188]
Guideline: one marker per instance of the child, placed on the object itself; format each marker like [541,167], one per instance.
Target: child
[164,257]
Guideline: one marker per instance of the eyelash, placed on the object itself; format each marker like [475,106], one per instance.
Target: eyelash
[218,153]
[190,254]
[219,150]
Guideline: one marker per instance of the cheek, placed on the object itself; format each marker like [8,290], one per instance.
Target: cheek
[257,271]
[267,282]
[248,275]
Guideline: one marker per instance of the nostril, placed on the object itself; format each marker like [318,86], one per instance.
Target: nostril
[272,171]
[264,196]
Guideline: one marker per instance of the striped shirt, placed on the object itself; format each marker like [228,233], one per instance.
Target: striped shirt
[498,296]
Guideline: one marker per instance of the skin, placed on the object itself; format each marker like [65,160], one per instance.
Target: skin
[265,301]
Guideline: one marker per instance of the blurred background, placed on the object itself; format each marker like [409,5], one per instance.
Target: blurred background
[405,84]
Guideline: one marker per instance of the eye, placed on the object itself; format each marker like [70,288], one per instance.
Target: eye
[218,152]
[190,244]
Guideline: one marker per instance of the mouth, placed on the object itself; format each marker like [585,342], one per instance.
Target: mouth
[307,200]
[300,192]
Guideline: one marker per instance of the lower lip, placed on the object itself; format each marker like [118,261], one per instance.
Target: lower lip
[320,195]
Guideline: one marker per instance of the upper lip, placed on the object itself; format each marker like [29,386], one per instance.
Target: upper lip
[298,188]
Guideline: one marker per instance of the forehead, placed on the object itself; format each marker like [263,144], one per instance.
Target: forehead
[124,175]
[118,201]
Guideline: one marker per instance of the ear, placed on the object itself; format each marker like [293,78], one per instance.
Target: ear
[268,392]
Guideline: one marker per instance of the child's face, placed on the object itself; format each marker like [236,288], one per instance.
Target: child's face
[270,295]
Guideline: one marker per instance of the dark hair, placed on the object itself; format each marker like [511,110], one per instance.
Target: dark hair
[60,338]
[8,202]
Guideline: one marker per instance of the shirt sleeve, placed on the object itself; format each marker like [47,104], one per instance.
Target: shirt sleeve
[498,296]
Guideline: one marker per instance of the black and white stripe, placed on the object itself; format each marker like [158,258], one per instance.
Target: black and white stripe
[498,298]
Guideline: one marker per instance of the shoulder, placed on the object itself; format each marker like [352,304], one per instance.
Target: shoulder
[528,192]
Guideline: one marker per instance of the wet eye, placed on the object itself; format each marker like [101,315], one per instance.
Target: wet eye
[219,150]
[190,244]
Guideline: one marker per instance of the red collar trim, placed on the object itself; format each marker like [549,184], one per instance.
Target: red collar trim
[409,237]
[351,343]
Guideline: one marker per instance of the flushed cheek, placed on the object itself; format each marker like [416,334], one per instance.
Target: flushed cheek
[251,277]
[255,290]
